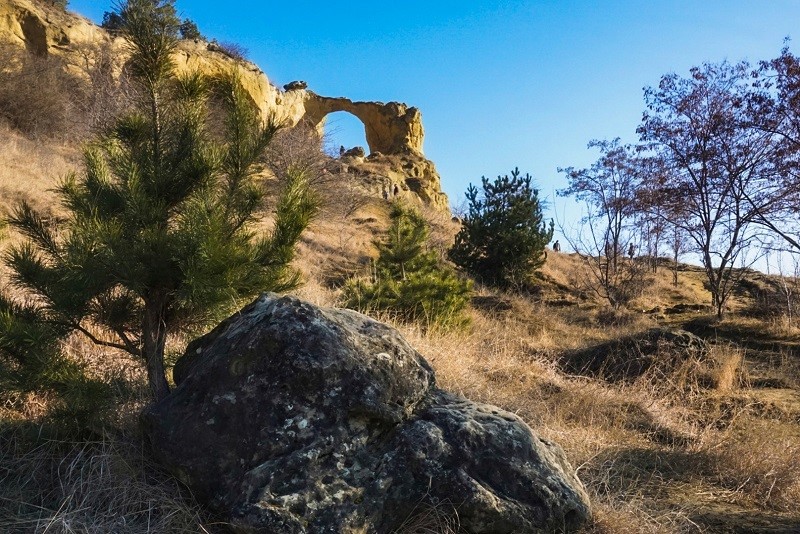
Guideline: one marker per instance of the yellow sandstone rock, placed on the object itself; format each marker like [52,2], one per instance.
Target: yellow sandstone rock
[396,166]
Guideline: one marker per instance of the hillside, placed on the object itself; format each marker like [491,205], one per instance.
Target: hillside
[669,432]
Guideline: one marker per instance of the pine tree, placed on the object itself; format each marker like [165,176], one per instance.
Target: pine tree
[409,279]
[502,239]
[159,234]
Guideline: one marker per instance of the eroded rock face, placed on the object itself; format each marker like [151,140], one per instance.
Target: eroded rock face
[292,418]
[392,129]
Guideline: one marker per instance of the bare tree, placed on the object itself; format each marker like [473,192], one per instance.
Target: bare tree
[608,188]
[678,246]
[776,108]
[721,170]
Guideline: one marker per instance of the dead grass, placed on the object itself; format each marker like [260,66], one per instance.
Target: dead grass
[102,485]
[662,453]
[29,170]
[441,518]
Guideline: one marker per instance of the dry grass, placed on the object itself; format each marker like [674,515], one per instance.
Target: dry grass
[441,518]
[756,460]
[30,169]
[59,485]
[691,448]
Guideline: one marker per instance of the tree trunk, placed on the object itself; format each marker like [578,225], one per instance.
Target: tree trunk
[154,334]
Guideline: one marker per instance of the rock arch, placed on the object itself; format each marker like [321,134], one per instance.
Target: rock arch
[392,128]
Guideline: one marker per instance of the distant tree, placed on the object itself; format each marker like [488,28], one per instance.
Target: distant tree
[409,279]
[189,30]
[158,233]
[678,245]
[724,166]
[609,190]
[503,235]
[112,21]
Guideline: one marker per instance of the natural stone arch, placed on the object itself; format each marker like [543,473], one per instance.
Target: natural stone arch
[392,128]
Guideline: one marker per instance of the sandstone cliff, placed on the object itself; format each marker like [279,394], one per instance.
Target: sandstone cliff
[396,166]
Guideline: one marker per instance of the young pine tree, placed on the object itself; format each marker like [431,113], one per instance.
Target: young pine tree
[409,279]
[159,234]
[502,238]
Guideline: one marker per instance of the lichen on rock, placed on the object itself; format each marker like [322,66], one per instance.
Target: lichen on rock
[292,418]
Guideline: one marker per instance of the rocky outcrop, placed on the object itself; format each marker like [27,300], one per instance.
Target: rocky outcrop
[392,129]
[289,418]
[408,177]
[45,29]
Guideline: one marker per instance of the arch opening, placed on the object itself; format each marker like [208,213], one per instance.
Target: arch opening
[344,130]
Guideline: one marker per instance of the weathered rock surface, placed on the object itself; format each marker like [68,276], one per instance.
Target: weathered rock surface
[391,128]
[292,418]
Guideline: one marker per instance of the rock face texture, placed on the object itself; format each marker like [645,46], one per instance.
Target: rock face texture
[392,129]
[290,418]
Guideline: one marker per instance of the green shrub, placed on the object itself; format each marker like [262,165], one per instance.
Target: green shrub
[502,238]
[410,280]
[189,30]
[31,360]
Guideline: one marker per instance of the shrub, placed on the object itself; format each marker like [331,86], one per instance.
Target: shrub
[230,49]
[189,30]
[409,280]
[60,4]
[503,236]
[37,96]
[112,21]
[159,234]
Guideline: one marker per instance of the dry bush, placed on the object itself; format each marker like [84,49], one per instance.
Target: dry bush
[105,92]
[297,147]
[727,370]
[43,97]
[231,49]
[36,94]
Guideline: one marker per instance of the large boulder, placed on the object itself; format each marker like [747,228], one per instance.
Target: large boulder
[289,418]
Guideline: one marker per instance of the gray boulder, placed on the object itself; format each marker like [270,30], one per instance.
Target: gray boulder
[289,418]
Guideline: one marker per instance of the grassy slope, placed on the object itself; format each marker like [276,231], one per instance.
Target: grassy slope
[660,454]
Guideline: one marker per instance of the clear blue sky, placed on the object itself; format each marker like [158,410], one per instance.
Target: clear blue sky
[500,84]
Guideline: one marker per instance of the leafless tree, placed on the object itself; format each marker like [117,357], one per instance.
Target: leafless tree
[608,190]
[722,170]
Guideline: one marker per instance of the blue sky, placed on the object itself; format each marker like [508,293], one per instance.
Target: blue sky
[500,84]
